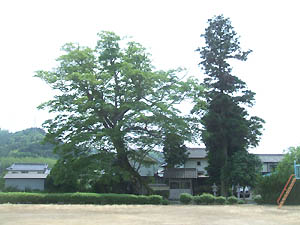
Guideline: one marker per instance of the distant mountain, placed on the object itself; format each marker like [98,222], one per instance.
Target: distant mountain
[25,143]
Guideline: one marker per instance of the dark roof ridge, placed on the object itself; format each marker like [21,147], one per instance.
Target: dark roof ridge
[266,154]
[196,148]
[30,163]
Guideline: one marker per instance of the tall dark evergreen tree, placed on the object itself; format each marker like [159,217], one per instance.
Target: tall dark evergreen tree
[228,128]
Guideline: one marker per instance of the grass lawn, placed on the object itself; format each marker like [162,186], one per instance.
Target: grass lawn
[147,214]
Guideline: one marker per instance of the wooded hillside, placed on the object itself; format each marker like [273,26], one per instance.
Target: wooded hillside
[25,143]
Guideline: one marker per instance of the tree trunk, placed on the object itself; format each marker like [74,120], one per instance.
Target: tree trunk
[124,164]
[224,183]
[139,183]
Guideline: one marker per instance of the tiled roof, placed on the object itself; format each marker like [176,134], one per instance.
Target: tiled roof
[25,176]
[196,153]
[180,173]
[273,158]
[27,167]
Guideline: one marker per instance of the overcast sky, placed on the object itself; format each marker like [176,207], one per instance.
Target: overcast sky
[32,33]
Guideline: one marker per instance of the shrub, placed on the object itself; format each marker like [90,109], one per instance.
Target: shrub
[142,200]
[232,200]
[185,198]
[220,200]
[240,201]
[165,202]
[197,199]
[164,193]
[269,188]
[77,198]
[207,198]
[155,199]
[258,199]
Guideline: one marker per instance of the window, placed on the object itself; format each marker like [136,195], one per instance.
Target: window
[198,163]
[174,185]
[185,185]
[200,173]
[272,167]
[180,185]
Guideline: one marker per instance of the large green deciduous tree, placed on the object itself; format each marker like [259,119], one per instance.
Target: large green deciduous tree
[110,101]
[227,126]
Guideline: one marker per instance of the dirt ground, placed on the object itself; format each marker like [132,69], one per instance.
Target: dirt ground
[147,214]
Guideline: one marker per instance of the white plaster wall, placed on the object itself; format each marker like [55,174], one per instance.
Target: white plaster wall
[21,184]
[175,193]
[192,163]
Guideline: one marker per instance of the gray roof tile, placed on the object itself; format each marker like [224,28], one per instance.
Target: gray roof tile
[274,158]
[27,167]
[25,176]
[196,153]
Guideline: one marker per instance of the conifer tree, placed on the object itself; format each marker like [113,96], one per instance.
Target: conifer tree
[227,126]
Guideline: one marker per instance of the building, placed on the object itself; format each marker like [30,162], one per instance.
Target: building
[187,177]
[269,162]
[197,160]
[26,176]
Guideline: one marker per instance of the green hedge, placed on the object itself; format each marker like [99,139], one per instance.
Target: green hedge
[232,200]
[185,198]
[220,200]
[205,198]
[164,193]
[209,199]
[78,198]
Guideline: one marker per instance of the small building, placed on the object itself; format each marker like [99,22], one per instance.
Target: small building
[26,176]
[187,178]
[269,162]
[197,159]
[180,181]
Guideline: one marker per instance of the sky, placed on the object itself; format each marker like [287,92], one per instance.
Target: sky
[32,33]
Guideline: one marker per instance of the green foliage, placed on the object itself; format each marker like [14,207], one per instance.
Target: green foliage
[220,200]
[83,174]
[258,199]
[155,199]
[227,126]
[241,202]
[165,202]
[78,198]
[205,198]
[175,152]
[25,143]
[270,187]
[245,169]
[232,200]
[286,167]
[185,198]
[164,193]
[197,200]
[112,104]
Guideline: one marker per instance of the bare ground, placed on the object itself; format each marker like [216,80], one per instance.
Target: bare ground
[147,214]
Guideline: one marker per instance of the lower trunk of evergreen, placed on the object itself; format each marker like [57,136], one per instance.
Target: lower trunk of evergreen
[224,175]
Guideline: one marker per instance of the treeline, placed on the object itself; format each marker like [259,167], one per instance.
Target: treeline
[25,143]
